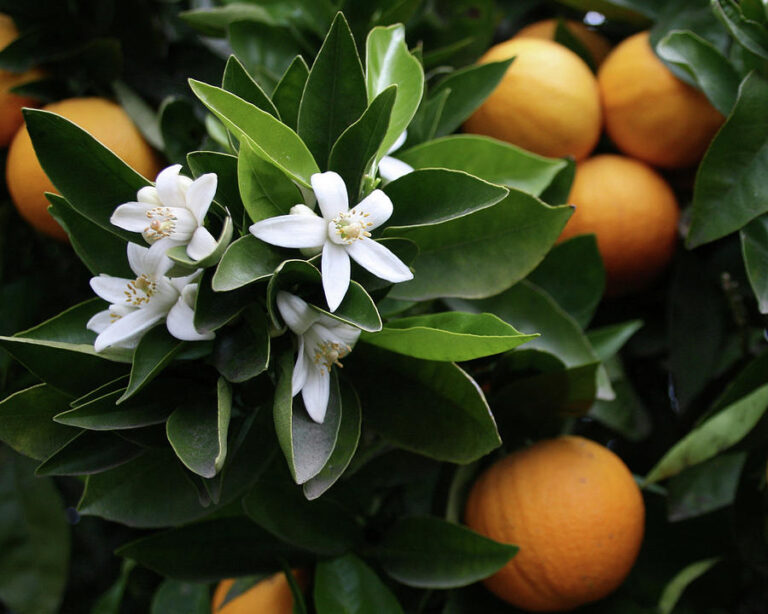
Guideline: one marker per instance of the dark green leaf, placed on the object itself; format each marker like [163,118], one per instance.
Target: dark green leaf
[237,80]
[608,340]
[174,597]
[754,247]
[429,552]
[180,128]
[424,126]
[242,352]
[265,50]
[245,261]
[288,92]
[214,21]
[568,39]
[751,35]
[346,585]
[103,414]
[154,352]
[215,309]
[88,453]
[266,191]
[558,191]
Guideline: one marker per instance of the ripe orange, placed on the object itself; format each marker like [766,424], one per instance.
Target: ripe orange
[547,102]
[11,104]
[573,508]
[649,113]
[270,596]
[105,121]
[596,44]
[632,211]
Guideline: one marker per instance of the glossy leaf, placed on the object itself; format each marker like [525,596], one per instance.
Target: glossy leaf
[88,453]
[154,352]
[104,414]
[346,585]
[243,351]
[288,92]
[237,80]
[428,552]
[608,340]
[488,159]
[246,260]
[265,50]
[718,433]
[674,590]
[265,189]
[750,34]
[754,247]
[180,127]
[180,256]
[733,168]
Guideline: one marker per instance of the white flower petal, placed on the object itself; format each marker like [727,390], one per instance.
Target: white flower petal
[292,231]
[181,323]
[296,312]
[165,296]
[337,332]
[378,260]
[200,195]
[300,369]
[184,225]
[100,321]
[148,194]
[315,392]
[169,188]
[331,193]
[111,289]
[180,283]
[399,142]
[391,168]
[201,245]
[132,216]
[335,269]
[377,207]
[150,261]
[131,325]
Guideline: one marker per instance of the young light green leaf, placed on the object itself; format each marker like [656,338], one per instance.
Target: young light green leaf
[674,590]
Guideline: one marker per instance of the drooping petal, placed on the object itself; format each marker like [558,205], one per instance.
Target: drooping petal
[331,193]
[300,369]
[296,312]
[376,207]
[132,216]
[379,260]
[335,269]
[181,322]
[148,194]
[201,245]
[169,187]
[291,231]
[111,289]
[200,195]
[135,323]
[315,392]
[391,168]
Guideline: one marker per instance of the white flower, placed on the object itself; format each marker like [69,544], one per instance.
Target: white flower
[323,342]
[391,168]
[174,209]
[136,305]
[342,233]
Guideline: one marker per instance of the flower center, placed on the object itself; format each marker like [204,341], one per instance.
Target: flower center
[139,291]
[162,222]
[330,353]
[348,227]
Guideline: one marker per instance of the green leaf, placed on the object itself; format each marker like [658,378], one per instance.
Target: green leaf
[26,421]
[354,152]
[748,380]
[179,253]
[625,414]
[242,352]
[213,550]
[573,274]
[265,189]
[155,351]
[214,21]
[424,126]
[306,445]
[88,453]
[636,12]
[272,139]
[431,408]
[750,34]
[288,92]
[34,539]
[101,252]
[345,448]
[733,168]
[141,113]
[321,526]
[388,62]
[718,433]
[754,247]
[246,260]
[98,183]
[180,127]
[198,432]
[335,95]
[215,309]
[346,585]
[265,50]
[225,167]
[237,80]
[469,87]
[608,340]
[109,601]
[488,159]
[433,196]
[558,191]
[174,597]
[704,488]
[568,39]
[674,590]
[484,253]
[450,336]
[428,552]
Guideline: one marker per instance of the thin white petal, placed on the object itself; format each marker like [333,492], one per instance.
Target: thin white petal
[335,269]
[296,313]
[200,195]
[291,231]
[337,332]
[391,168]
[111,289]
[180,283]
[185,225]
[181,323]
[300,369]
[169,188]
[201,245]
[133,324]
[100,321]
[399,142]
[131,216]
[152,261]
[148,194]
[331,193]
[378,260]
[377,207]
[315,392]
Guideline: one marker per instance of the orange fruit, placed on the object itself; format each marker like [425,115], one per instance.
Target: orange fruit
[547,102]
[649,113]
[596,44]
[574,510]
[633,212]
[11,104]
[105,121]
[270,596]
